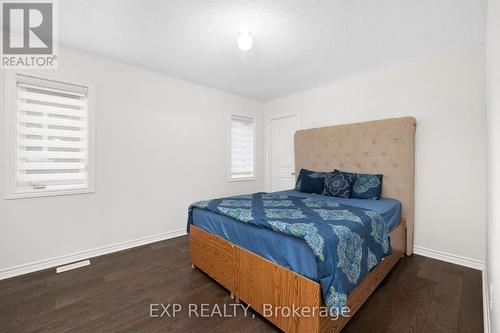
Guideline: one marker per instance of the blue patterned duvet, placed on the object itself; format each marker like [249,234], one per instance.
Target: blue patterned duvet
[347,241]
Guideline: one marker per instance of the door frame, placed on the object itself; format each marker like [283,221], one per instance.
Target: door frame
[268,169]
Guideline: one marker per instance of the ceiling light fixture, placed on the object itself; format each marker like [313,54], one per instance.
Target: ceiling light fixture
[245,39]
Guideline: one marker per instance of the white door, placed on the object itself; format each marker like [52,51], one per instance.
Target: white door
[282,168]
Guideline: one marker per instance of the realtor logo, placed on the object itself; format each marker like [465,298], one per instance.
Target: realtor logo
[28,34]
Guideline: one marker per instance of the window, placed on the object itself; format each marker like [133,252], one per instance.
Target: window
[50,142]
[242,138]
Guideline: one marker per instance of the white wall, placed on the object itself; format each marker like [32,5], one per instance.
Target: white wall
[161,143]
[446,94]
[493,143]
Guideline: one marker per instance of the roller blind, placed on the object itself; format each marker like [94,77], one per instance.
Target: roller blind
[242,147]
[52,135]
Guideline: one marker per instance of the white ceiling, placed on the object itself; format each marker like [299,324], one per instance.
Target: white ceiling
[299,44]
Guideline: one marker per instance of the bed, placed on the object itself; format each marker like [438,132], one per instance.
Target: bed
[262,267]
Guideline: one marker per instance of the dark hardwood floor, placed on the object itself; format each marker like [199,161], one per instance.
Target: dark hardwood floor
[114,294]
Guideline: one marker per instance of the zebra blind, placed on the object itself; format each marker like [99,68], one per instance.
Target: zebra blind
[52,135]
[242,147]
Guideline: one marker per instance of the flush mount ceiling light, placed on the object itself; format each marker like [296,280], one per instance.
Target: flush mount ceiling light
[245,39]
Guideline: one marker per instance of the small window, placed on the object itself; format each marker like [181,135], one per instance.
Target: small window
[242,136]
[50,139]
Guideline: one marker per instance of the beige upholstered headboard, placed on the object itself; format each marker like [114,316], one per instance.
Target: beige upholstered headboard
[380,146]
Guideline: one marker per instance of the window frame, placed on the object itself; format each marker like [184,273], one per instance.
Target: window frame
[10,149]
[230,177]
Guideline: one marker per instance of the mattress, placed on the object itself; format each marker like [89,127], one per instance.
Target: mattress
[287,251]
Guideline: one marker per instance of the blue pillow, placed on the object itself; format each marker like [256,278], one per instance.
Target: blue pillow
[367,186]
[311,181]
[339,184]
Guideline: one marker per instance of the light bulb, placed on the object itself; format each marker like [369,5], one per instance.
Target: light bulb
[245,40]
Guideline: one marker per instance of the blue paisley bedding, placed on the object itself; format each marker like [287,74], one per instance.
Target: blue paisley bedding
[347,242]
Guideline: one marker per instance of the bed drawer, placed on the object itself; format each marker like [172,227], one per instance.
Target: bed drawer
[213,255]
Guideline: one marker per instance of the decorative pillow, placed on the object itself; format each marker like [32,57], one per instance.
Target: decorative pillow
[311,181]
[367,186]
[339,184]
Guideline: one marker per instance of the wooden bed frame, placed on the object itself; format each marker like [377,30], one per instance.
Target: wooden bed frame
[258,281]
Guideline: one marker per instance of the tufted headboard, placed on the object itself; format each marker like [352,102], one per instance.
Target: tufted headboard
[380,146]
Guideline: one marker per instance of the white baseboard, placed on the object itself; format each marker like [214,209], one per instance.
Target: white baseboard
[448,257]
[66,259]
[486,302]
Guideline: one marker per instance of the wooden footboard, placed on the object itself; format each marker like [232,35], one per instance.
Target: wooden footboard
[258,281]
